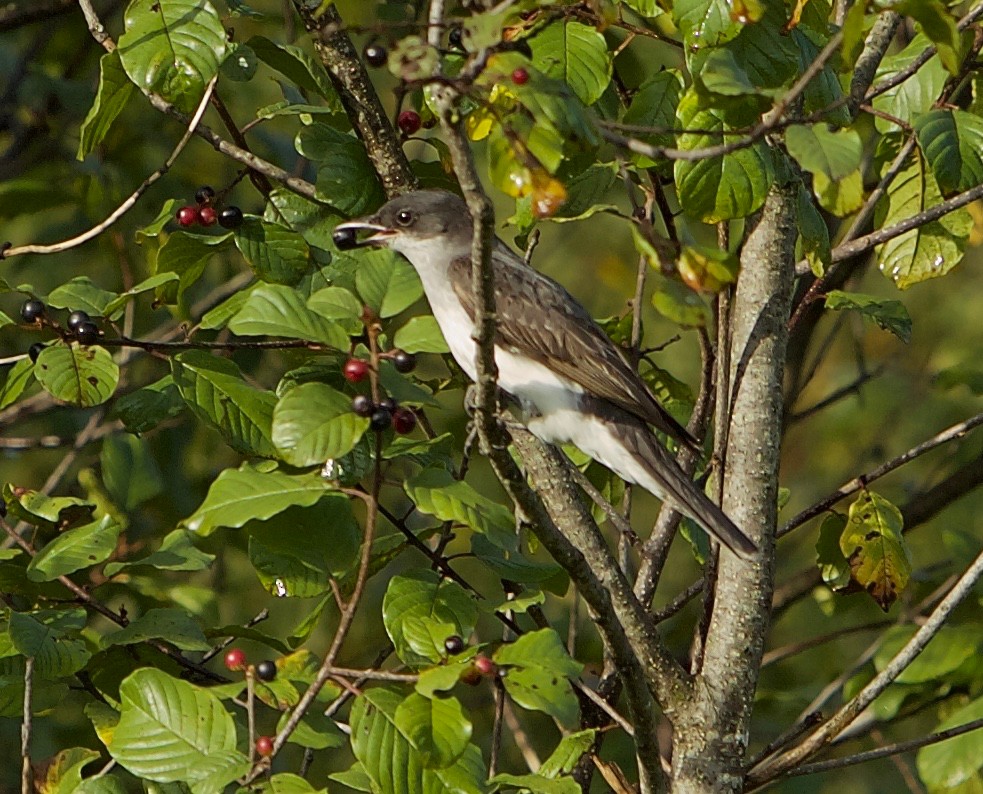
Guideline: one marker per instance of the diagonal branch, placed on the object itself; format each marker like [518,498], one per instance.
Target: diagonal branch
[778,765]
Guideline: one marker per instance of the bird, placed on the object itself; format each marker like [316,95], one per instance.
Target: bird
[572,382]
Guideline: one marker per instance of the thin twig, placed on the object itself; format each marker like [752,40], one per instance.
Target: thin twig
[130,202]
[26,773]
[957,430]
[774,767]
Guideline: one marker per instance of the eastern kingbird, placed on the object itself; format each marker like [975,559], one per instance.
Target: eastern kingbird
[572,381]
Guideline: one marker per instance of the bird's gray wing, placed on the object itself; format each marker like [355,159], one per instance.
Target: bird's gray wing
[539,318]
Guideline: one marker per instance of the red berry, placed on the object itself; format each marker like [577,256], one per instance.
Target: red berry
[235,660]
[520,76]
[207,215]
[355,370]
[404,420]
[408,122]
[187,216]
[484,665]
[264,746]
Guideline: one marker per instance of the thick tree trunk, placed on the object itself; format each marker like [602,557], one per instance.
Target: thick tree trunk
[711,735]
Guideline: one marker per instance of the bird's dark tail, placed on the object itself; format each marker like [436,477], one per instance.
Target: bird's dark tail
[662,476]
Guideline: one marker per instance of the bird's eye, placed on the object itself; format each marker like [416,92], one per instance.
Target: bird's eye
[404,217]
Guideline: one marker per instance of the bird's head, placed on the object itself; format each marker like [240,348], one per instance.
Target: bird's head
[418,225]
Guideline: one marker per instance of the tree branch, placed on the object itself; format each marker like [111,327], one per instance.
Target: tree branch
[771,768]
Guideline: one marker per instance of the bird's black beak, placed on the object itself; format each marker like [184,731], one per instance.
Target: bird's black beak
[345,235]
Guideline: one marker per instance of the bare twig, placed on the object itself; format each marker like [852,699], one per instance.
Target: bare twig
[130,202]
[778,765]
[26,776]
[853,486]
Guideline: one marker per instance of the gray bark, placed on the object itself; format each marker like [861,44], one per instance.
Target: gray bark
[711,735]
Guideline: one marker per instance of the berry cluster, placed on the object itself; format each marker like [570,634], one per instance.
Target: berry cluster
[205,213]
[235,661]
[386,413]
[79,325]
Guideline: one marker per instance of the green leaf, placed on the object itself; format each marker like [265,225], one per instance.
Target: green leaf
[813,233]
[680,304]
[729,186]
[215,390]
[81,293]
[824,90]
[172,731]
[75,549]
[129,470]
[174,626]
[878,555]
[820,150]
[148,284]
[64,773]
[146,408]
[761,57]
[50,637]
[387,284]
[936,23]
[952,142]
[43,510]
[567,753]
[445,676]
[313,422]
[538,783]
[241,495]
[345,178]
[339,304]
[840,197]
[705,23]
[917,94]
[112,95]
[435,492]
[276,310]
[576,54]
[275,254]
[177,552]
[537,667]
[948,764]
[172,48]
[517,567]
[219,316]
[436,727]
[83,376]
[421,335]
[421,610]
[298,550]
[932,249]
[15,380]
[887,314]
[314,221]
[654,105]
[392,764]
[186,254]
[297,66]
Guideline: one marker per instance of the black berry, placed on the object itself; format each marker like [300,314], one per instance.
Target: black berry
[204,195]
[266,670]
[408,122]
[362,405]
[453,644]
[388,403]
[35,350]
[187,216]
[230,218]
[32,310]
[76,318]
[381,419]
[344,239]
[207,215]
[456,38]
[3,509]
[87,333]
[404,362]
[375,55]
